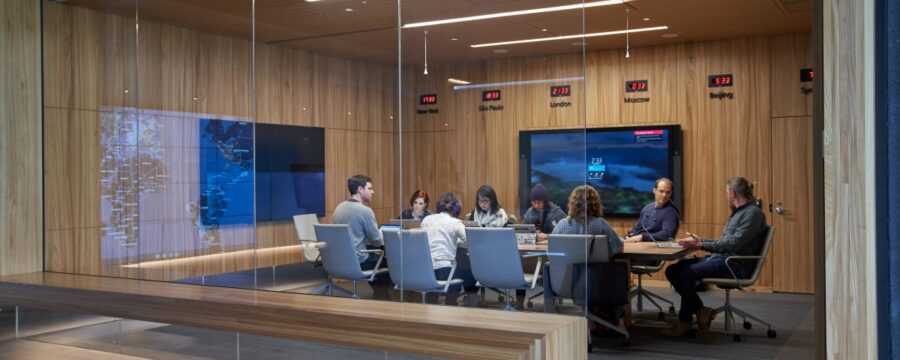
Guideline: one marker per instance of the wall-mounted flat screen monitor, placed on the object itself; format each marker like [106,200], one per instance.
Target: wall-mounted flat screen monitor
[622,163]
[276,170]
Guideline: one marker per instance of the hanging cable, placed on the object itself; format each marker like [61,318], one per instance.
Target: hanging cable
[627,38]
[426,53]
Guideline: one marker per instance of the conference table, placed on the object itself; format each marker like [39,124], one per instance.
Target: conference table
[646,251]
[636,251]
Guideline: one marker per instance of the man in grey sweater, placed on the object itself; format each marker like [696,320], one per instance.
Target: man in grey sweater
[363,229]
[743,235]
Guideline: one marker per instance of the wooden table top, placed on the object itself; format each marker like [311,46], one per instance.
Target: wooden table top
[448,331]
[635,251]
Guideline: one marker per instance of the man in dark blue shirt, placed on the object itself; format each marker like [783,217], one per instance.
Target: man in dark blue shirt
[659,219]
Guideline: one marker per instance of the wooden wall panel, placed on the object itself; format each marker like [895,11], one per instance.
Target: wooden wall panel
[722,138]
[174,77]
[20,138]
[849,174]
[790,54]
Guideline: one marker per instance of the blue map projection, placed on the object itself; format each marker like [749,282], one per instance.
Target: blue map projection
[226,172]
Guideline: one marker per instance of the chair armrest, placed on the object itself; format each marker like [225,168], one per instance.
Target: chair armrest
[377,264]
[739,257]
[450,276]
[537,272]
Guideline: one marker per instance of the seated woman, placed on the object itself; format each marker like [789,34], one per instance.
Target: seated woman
[488,212]
[445,234]
[418,206]
[542,213]
[586,217]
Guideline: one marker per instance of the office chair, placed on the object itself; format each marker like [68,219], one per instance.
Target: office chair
[495,261]
[410,264]
[733,283]
[648,268]
[340,260]
[566,252]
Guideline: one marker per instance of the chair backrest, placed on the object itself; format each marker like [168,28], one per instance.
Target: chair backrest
[571,249]
[409,260]
[763,251]
[305,232]
[494,257]
[338,255]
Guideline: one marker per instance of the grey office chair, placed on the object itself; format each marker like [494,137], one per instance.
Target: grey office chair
[340,260]
[734,282]
[410,263]
[564,252]
[495,261]
[648,268]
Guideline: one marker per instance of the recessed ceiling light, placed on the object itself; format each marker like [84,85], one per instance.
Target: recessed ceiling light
[312,0]
[670,35]
[569,37]
[454,39]
[348,10]
[500,51]
[544,29]
[458,81]
[516,13]
[646,19]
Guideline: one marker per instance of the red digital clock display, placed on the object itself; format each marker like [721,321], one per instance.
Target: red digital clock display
[636,86]
[721,80]
[490,95]
[806,75]
[430,99]
[562,90]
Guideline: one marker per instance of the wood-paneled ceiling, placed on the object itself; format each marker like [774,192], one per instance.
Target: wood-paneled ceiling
[367,30]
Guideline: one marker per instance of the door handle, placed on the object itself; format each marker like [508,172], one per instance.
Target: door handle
[780,210]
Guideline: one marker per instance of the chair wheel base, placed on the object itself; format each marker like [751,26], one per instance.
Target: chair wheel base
[771,333]
[671,309]
[736,338]
[530,304]
[747,325]
[661,316]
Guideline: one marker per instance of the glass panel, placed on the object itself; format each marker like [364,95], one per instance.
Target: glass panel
[478,83]
[90,135]
[194,137]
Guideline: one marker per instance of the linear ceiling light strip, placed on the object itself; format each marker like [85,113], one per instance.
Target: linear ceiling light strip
[515,13]
[566,37]
[516,83]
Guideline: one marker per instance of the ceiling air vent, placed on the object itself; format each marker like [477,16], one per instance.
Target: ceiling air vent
[791,6]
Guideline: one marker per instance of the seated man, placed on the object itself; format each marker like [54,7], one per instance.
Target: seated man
[659,219]
[542,213]
[743,235]
[363,227]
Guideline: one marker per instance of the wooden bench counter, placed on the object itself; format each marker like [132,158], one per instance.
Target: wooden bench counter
[380,325]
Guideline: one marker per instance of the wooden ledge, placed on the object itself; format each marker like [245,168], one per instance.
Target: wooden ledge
[381,325]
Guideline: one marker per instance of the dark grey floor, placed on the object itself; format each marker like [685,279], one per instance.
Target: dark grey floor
[790,314]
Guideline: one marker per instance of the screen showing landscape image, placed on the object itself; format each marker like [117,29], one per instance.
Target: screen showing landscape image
[622,164]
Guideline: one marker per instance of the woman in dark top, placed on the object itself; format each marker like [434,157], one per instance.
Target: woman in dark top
[418,206]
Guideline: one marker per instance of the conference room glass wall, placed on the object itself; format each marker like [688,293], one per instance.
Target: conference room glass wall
[200,144]
[469,101]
